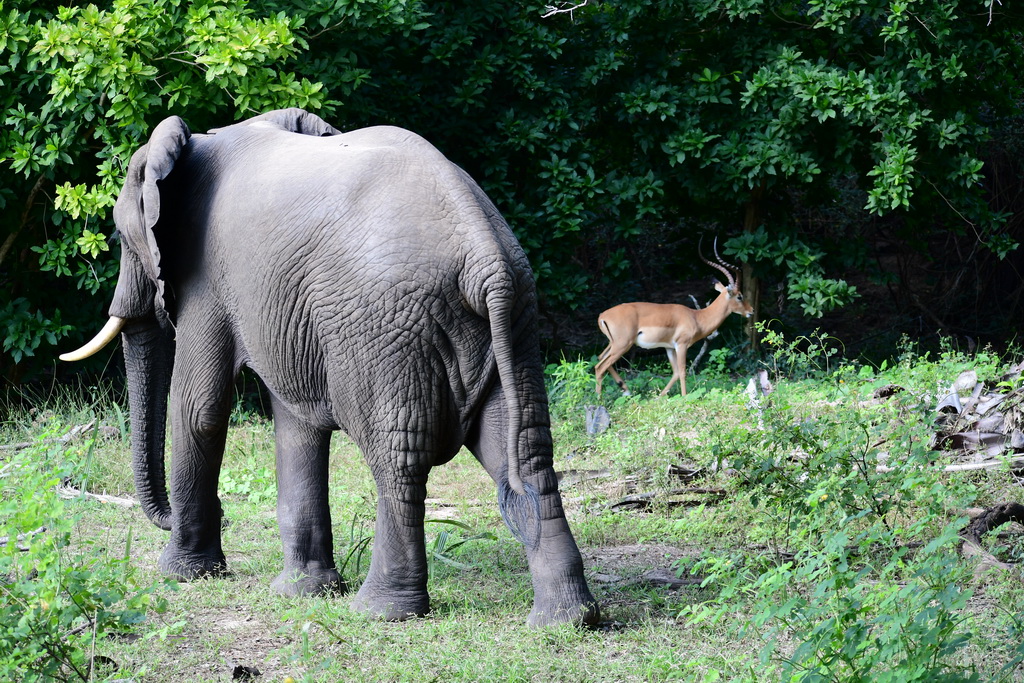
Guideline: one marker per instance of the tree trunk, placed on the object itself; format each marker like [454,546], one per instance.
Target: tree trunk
[751,286]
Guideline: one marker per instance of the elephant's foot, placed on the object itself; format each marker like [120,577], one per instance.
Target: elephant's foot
[309,582]
[579,613]
[189,567]
[393,606]
[563,599]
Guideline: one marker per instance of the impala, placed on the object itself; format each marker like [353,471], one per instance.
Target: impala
[672,327]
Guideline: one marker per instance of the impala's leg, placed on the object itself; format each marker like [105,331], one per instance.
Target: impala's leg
[681,371]
[608,358]
[677,359]
[619,381]
[598,372]
[675,375]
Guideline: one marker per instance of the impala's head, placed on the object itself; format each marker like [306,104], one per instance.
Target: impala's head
[734,300]
[731,290]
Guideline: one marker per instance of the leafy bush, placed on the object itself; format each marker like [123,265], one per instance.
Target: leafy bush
[863,579]
[570,385]
[26,330]
[256,484]
[609,136]
[717,366]
[800,357]
[801,264]
[59,594]
[83,84]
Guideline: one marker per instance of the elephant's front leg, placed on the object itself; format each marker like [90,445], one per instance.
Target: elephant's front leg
[200,405]
[303,511]
[396,585]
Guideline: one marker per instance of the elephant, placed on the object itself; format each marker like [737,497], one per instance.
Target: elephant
[373,288]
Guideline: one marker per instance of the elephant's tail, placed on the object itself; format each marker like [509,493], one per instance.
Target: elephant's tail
[518,502]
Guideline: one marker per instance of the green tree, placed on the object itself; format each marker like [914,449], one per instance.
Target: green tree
[612,137]
[598,129]
[82,86]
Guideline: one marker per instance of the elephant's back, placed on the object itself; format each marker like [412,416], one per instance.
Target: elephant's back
[369,191]
[354,241]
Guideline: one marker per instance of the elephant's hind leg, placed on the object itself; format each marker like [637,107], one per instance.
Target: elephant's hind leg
[303,512]
[560,592]
[396,584]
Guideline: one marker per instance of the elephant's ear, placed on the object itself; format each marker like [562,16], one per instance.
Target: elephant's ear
[138,207]
[293,120]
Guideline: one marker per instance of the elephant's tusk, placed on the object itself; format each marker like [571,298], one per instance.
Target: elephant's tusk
[104,337]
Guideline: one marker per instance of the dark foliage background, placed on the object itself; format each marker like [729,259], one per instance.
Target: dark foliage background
[861,157]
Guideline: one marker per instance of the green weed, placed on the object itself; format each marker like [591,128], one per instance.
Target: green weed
[864,582]
[59,597]
[446,541]
[570,385]
[832,553]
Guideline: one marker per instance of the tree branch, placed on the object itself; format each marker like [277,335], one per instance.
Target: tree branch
[552,10]
[9,242]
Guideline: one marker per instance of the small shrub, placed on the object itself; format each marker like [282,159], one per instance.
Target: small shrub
[254,483]
[717,366]
[863,581]
[58,596]
[450,536]
[570,386]
[800,357]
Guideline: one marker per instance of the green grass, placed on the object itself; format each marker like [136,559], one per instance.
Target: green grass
[480,588]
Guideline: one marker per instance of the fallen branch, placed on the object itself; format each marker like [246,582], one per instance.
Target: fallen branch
[663,577]
[72,434]
[574,477]
[22,537]
[645,501]
[979,526]
[1014,463]
[438,502]
[68,492]
[687,473]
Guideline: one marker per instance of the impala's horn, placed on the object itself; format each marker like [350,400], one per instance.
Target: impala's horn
[734,269]
[730,278]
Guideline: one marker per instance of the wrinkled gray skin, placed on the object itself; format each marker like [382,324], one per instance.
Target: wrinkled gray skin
[373,288]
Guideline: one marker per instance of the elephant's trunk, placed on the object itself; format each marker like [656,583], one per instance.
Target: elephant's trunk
[148,359]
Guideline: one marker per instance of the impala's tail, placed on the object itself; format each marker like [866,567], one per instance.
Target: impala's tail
[607,331]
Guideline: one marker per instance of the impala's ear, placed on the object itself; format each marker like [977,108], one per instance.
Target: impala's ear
[137,211]
[719,286]
[293,120]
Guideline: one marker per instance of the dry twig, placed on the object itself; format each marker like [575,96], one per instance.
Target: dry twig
[22,537]
[645,501]
[72,434]
[67,491]
[566,8]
